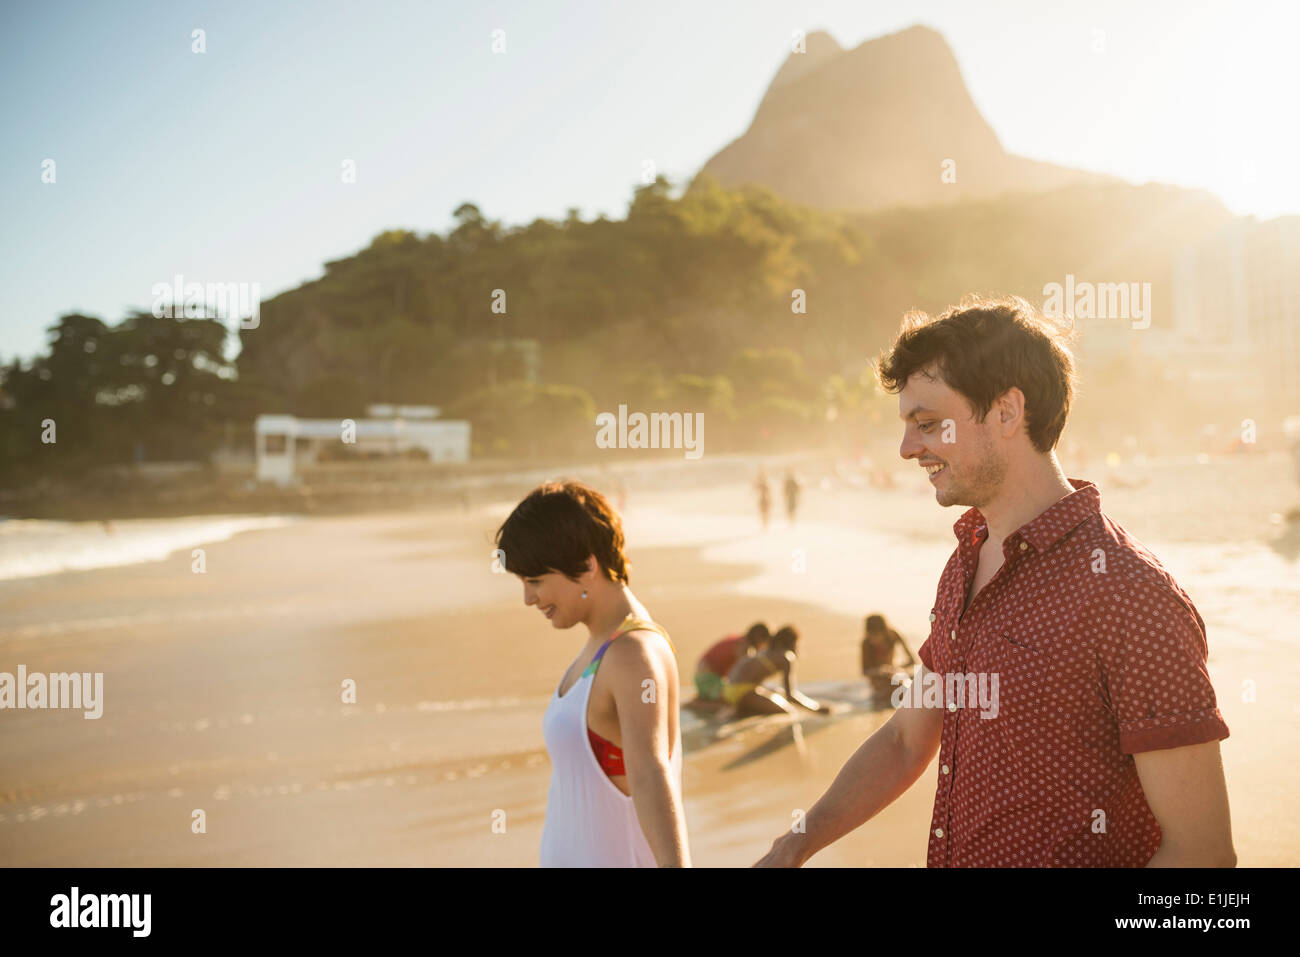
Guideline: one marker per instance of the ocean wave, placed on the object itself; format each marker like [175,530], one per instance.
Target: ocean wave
[33,547]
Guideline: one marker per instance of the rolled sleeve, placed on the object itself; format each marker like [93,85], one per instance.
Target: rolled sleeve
[1155,660]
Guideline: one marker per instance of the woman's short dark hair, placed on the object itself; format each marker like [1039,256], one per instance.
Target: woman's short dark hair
[984,347]
[758,634]
[556,527]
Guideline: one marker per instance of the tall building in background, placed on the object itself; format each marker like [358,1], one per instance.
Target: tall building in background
[1273,290]
[1236,307]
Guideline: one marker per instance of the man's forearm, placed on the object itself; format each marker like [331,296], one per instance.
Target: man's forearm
[869,782]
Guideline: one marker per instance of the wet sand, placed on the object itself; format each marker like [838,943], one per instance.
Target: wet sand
[223,689]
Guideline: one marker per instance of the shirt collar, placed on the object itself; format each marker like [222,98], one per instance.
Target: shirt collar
[1048,528]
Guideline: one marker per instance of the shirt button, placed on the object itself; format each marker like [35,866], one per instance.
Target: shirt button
[938,832]
[944,768]
[1023,546]
[933,616]
[953,636]
[952,706]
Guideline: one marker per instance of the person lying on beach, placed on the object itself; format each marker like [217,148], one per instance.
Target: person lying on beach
[612,727]
[716,663]
[880,644]
[743,688]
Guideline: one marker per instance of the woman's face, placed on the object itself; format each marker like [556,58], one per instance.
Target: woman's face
[557,597]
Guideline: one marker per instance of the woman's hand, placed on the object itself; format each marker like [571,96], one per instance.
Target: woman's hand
[787,851]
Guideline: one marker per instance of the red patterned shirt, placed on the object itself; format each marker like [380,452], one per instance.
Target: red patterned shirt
[1098,655]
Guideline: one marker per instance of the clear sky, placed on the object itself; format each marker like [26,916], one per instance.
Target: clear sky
[226,166]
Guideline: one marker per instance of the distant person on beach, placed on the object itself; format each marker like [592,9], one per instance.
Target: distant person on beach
[764,496]
[1098,746]
[743,687]
[612,726]
[792,489]
[716,663]
[880,644]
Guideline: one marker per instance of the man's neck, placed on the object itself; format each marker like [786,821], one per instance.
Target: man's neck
[1024,496]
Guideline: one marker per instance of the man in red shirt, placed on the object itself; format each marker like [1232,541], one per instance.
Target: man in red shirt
[715,664]
[1064,682]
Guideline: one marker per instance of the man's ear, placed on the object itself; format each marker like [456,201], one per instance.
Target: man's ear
[1011,406]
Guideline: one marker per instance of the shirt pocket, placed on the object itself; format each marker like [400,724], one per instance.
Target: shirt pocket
[1019,679]
[1046,714]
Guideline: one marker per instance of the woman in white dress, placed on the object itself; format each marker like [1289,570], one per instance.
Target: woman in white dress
[611,728]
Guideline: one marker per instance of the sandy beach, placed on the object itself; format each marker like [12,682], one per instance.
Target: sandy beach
[222,690]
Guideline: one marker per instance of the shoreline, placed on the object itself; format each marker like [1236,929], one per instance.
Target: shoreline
[364,488]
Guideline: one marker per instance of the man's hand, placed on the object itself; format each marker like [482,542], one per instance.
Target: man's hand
[877,773]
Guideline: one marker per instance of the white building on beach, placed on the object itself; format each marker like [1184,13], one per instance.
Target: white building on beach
[285,441]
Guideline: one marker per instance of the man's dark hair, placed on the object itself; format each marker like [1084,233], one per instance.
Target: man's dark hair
[981,349]
[556,527]
[758,635]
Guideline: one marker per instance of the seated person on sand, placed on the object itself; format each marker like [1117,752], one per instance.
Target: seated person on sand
[717,662]
[879,648]
[743,687]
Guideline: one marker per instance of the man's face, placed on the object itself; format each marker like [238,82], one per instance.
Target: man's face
[940,430]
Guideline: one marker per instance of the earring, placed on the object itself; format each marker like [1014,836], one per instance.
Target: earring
[584,594]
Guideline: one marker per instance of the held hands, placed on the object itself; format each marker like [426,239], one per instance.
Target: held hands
[785,852]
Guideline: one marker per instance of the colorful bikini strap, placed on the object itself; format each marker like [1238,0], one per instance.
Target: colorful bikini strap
[645,625]
[629,624]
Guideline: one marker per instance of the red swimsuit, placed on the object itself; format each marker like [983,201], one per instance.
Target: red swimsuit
[608,754]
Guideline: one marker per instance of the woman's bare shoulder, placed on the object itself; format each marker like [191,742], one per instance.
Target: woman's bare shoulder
[639,648]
